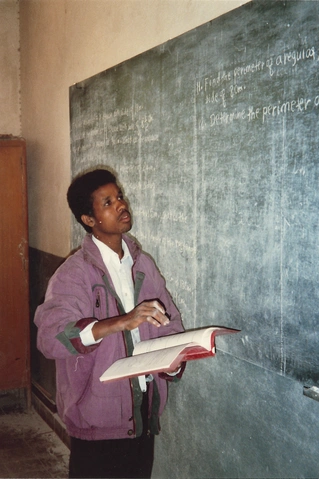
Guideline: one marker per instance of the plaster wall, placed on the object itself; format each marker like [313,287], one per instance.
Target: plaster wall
[66,41]
[9,68]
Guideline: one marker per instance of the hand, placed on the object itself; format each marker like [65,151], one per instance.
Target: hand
[150,311]
[176,370]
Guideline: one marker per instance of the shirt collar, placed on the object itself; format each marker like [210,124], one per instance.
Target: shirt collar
[108,255]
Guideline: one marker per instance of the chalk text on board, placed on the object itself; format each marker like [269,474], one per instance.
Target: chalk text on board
[257,66]
[224,118]
[211,81]
[299,105]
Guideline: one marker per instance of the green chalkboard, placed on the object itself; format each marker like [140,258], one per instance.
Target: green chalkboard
[214,136]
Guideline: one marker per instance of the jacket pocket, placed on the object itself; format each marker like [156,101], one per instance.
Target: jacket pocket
[101,411]
[100,302]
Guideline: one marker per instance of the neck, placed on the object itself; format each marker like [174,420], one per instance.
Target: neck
[115,243]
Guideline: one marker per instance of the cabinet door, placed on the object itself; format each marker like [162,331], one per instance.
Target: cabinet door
[14,290]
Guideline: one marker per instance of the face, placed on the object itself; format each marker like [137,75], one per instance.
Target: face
[111,216]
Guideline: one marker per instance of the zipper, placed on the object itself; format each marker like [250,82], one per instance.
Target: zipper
[98,300]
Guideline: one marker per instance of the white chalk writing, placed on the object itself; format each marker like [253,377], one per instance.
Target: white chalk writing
[220,88]
[264,112]
[127,126]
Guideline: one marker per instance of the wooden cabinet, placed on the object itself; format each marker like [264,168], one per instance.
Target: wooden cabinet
[14,274]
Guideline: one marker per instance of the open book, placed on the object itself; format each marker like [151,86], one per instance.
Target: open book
[166,353]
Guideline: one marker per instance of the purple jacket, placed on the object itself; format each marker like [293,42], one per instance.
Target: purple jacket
[80,292]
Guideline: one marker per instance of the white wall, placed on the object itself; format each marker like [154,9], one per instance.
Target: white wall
[9,68]
[66,41]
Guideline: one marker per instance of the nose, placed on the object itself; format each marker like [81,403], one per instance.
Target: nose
[121,204]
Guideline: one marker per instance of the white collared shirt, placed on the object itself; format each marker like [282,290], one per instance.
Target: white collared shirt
[120,271]
[121,274]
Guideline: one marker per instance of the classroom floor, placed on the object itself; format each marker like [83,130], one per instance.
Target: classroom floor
[29,448]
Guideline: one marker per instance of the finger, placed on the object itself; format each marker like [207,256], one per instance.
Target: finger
[157,318]
[153,321]
[158,306]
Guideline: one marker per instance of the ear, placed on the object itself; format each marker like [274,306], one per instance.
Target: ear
[88,220]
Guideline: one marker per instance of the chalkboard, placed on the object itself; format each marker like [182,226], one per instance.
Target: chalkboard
[214,136]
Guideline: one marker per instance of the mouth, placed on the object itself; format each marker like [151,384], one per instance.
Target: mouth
[125,216]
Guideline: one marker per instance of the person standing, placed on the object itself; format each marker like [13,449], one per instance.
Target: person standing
[101,301]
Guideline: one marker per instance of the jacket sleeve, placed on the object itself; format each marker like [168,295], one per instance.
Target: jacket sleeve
[66,311]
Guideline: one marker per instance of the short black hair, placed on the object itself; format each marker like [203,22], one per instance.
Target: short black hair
[80,192]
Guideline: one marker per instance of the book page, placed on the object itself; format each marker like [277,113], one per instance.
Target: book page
[200,336]
[142,363]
